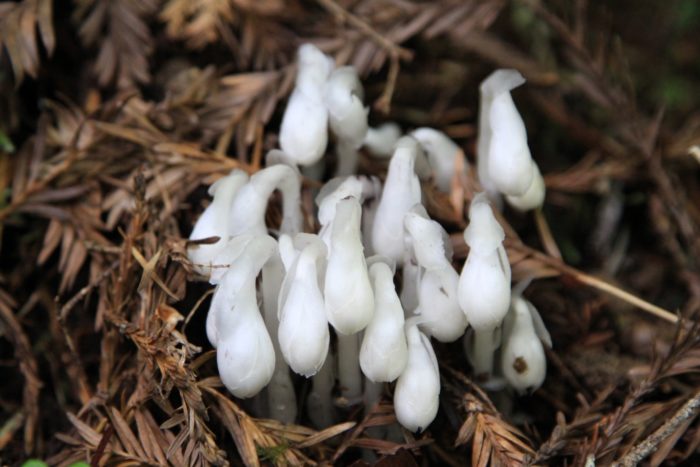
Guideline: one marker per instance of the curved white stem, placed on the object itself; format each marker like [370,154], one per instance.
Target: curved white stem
[319,404]
[249,206]
[281,398]
[349,374]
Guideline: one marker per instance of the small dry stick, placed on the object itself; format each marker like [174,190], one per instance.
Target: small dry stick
[548,242]
[383,104]
[149,271]
[626,296]
[343,15]
[395,52]
[689,410]
[594,282]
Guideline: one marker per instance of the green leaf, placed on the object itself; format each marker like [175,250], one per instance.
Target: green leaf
[272,453]
[5,143]
[34,463]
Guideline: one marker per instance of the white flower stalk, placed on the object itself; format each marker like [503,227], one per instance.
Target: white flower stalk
[349,373]
[380,141]
[303,330]
[384,350]
[347,158]
[533,198]
[438,305]
[523,360]
[348,292]
[347,114]
[214,222]
[401,192]
[509,161]
[281,399]
[371,396]
[248,208]
[245,355]
[442,154]
[277,156]
[319,404]
[484,284]
[417,392]
[304,130]
[480,348]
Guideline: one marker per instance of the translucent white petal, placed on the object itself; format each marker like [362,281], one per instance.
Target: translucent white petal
[371,196]
[484,291]
[422,164]
[523,360]
[540,328]
[441,315]
[348,292]
[380,141]
[214,221]
[427,239]
[245,356]
[442,153]
[343,98]
[483,234]
[509,160]
[314,68]
[333,191]
[304,129]
[234,247]
[417,392]
[303,330]
[534,196]
[224,297]
[401,192]
[498,82]
[384,351]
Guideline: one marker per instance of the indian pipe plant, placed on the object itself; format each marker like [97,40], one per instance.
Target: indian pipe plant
[282,295]
[286,232]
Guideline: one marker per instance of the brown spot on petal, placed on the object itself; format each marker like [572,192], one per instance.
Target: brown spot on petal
[520,365]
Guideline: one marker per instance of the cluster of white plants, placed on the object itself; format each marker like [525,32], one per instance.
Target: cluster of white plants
[342,277]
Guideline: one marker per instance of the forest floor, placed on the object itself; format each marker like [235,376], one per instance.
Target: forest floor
[115,115]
